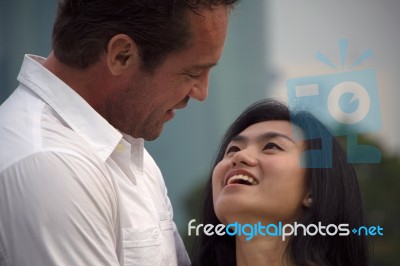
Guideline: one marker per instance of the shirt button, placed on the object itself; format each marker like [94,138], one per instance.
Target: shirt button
[156,233]
[120,147]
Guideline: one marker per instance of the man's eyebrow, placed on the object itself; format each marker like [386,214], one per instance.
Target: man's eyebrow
[202,66]
[263,137]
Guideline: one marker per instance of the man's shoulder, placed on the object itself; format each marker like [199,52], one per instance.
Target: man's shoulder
[29,127]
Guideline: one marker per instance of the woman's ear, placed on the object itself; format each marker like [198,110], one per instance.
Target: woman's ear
[122,53]
[308,200]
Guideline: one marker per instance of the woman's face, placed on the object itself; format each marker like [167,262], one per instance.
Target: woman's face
[260,178]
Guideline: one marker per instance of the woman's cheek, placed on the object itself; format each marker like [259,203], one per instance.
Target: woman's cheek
[219,172]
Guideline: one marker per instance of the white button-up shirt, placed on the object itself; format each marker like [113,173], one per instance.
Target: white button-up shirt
[73,190]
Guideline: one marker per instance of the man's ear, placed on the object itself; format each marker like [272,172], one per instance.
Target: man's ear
[122,53]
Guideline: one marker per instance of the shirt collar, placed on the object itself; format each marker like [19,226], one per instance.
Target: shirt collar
[70,106]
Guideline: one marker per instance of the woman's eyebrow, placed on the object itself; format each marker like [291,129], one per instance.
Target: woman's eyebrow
[263,137]
[239,138]
[272,135]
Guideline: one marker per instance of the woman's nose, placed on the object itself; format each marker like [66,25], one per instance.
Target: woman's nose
[244,157]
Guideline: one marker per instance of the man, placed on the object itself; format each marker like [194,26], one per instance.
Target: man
[77,186]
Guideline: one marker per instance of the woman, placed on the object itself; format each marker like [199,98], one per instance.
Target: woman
[258,176]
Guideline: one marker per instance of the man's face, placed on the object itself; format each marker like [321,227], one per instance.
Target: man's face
[149,100]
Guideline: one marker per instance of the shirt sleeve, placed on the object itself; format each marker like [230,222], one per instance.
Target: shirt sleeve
[57,208]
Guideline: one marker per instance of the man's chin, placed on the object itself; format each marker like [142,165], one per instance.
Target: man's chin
[151,138]
[152,134]
[148,133]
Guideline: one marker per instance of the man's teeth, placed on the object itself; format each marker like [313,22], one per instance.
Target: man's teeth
[242,178]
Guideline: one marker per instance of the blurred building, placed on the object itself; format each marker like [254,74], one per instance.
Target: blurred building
[25,27]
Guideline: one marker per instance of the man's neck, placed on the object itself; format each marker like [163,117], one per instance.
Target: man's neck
[85,82]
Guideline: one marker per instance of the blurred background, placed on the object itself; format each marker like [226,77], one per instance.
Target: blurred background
[268,43]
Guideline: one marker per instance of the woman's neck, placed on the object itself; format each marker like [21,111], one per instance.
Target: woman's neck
[261,250]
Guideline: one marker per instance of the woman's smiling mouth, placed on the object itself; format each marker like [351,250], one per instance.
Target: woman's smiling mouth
[242,180]
[241,177]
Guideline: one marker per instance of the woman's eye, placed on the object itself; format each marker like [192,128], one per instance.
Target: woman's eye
[273,146]
[232,149]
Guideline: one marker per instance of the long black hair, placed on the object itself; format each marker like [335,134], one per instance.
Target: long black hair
[331,180]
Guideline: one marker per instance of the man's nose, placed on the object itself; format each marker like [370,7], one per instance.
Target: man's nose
[200,89]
